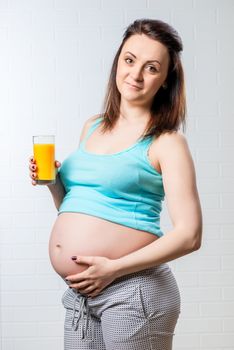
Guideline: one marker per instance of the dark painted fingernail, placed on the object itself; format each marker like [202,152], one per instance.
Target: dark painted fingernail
[74,257]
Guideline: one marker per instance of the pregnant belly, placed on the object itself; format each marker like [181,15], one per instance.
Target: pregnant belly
[81,234]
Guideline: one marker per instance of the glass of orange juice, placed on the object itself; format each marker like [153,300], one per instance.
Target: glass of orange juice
[44,155]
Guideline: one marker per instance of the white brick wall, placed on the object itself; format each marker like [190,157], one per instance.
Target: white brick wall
[54,56]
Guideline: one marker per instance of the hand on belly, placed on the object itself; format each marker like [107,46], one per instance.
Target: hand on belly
[100,273]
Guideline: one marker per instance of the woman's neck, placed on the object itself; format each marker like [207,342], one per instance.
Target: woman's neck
[130,114]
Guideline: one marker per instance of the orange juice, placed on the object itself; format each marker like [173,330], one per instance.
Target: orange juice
[44,155]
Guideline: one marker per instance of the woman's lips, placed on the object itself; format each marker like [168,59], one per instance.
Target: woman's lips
[133,86]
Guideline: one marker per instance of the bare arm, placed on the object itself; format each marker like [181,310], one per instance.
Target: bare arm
[58,192]
[183,203]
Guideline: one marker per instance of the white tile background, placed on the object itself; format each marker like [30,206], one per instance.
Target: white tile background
[55,58]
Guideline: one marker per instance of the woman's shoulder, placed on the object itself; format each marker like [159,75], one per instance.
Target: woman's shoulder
[88,123]
[170,139]
[92,119]
[164,146]
[173,142]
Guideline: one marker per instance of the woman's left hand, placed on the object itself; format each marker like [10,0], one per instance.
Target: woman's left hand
[96,277]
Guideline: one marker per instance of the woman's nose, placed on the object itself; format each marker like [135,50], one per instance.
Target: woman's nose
[136,73]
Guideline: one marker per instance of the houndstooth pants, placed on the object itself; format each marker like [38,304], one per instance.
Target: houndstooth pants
[138,311]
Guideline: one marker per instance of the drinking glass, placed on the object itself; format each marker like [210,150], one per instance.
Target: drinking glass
[44,155]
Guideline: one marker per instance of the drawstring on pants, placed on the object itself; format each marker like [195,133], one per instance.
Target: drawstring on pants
[83,309]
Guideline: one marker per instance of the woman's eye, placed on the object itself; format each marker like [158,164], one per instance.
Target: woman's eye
[128,59]
[154,69]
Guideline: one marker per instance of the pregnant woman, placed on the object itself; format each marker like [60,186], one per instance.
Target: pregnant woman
[107,243]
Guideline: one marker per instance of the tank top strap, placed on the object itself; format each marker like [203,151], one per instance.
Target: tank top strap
[91,129]
[144,145]
[146,142]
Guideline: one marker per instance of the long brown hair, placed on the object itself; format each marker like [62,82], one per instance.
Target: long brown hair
[168,108]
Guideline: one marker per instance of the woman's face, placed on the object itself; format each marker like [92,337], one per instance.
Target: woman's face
[142,69]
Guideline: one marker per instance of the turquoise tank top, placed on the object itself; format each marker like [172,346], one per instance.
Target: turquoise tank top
[123,187]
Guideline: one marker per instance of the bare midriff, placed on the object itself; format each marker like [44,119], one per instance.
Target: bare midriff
[77,234]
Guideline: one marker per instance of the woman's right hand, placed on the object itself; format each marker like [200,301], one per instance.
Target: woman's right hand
[33,169]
